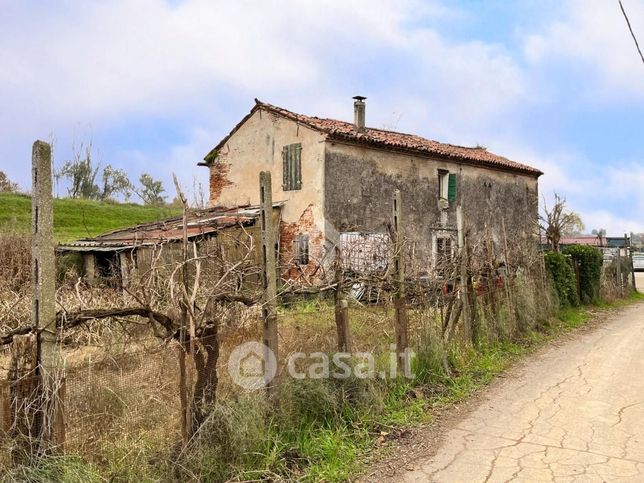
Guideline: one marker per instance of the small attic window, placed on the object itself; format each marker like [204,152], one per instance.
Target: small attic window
[292,167]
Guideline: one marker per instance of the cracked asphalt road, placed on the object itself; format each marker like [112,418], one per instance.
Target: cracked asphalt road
[575,413]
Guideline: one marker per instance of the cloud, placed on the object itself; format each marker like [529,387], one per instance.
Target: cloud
[159,83]
[607,195]
[108,63]
[592,41]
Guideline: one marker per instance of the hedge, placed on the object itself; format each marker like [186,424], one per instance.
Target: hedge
[590,261]
[563,277]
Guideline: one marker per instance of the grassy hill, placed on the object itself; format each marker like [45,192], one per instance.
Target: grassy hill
[75,219]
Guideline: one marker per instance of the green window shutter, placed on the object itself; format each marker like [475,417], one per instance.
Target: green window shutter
[292,167]
[298,166]
[285,168]
[451,188]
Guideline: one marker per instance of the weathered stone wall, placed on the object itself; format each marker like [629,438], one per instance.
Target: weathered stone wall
[360,182]
[494,198]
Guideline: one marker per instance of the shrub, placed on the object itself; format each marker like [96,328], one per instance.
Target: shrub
[563,278]
[590,261]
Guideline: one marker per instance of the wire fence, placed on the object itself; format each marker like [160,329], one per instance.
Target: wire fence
[126,381]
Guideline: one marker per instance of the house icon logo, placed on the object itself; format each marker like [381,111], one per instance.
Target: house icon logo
[252,365]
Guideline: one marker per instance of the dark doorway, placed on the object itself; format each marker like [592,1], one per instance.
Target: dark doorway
[108,268]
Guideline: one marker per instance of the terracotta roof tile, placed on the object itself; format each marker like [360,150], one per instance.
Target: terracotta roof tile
[345,131]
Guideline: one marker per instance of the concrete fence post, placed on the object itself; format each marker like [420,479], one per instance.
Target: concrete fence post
[269,279]
[43,263]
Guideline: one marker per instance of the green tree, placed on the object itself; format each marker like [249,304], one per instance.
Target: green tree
[151,190]
[6,185]
[82,173]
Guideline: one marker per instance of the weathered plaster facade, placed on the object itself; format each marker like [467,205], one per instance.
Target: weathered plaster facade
[360,181]
[347,185]
[257,146]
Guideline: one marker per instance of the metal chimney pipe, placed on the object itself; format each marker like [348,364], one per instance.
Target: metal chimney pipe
[359,113]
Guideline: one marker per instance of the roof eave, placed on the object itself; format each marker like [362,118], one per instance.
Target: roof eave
[333,137]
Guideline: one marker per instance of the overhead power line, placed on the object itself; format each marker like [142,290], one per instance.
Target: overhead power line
[631,29]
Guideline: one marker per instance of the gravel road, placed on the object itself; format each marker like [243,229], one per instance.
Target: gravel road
[573,414]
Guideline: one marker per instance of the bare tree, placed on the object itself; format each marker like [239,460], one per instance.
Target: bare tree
[558,222]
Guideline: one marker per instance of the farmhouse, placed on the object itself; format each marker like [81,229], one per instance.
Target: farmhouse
[337,179]
[334,182]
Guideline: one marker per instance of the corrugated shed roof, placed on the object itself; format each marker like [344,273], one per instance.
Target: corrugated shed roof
[346,132]
[200,223]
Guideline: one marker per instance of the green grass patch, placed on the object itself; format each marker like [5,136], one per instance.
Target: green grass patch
[574,317]
[74,219]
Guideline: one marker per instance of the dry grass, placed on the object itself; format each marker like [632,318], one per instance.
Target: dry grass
[122,403]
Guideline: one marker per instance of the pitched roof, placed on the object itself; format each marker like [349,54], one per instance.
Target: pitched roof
[346,132]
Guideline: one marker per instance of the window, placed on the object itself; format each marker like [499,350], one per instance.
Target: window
[443,253]
[443,249]
[447,185]
[292,167]
[301,250]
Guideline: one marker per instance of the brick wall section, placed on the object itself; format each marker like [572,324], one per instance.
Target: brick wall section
[288,233]
[218,181]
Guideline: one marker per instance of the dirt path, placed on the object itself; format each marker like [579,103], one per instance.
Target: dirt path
[575,412]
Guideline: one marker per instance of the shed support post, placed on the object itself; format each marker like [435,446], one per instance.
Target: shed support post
[269,278]
[400,305]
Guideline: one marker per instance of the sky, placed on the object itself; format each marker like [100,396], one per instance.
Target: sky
[153,85]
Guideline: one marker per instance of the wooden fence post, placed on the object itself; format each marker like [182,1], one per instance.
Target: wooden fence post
[628,243]
[5,408]
[341,306]
[619,272]
[402,336]
[578,279]
[269,278]
[25,397]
